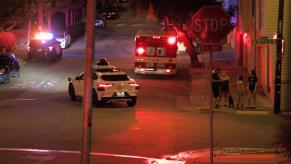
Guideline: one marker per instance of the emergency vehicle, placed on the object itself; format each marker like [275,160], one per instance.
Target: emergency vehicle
[44,45]
[156,52]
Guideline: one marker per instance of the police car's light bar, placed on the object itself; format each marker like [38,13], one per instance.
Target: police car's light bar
[43,36]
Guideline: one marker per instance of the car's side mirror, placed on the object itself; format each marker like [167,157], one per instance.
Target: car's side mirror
[78,78]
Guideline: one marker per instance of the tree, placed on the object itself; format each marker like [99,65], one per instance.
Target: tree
[12,12]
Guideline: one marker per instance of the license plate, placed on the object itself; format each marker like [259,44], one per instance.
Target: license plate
[120,94]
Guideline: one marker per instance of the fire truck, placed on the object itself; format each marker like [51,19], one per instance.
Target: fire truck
[156,52]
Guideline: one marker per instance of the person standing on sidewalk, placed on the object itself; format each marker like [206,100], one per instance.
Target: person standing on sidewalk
[224,86]
[215,77]
[252,89]
[240,92]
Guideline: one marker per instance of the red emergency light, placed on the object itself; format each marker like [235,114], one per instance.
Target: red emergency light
[140,50]
[172,40]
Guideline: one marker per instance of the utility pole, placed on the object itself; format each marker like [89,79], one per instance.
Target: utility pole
[39,18]
[87,101]
[279,54]
[211,138]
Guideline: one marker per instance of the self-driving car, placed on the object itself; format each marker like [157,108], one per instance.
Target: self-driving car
[108,87]
[44,45]
[9,67]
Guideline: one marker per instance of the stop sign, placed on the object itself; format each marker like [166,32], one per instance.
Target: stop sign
[211,24]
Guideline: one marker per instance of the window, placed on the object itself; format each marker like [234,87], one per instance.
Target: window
[82,76]
[161,51]
[150,51]
[122,77]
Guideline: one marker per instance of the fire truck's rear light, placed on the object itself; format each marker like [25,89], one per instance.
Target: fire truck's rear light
[142,69]
[172,40]
[140,50]
[168,70]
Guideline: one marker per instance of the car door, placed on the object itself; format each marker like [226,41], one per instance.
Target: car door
[79,84]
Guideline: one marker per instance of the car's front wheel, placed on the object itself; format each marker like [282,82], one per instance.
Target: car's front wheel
[132,102]
[72,92]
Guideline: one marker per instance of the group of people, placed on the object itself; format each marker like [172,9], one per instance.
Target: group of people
[221,89]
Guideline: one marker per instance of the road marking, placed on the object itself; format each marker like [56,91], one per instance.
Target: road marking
[92,153]
[120,25]
[135,25]
[34,84]
[22,99]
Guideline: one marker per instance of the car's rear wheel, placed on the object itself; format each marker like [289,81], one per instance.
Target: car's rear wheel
[132,102]
[60,53]
[95,100]
[72,92]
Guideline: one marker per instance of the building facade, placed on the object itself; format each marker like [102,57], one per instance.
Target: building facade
[255,44]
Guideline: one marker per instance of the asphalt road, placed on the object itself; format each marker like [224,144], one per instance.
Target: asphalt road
[36,112]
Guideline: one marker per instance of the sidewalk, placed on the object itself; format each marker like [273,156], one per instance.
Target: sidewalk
[199,84]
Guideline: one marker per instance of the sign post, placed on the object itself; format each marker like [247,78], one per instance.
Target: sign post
[277,95]
[210,25]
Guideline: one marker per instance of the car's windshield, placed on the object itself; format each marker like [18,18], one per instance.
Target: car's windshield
[122,77]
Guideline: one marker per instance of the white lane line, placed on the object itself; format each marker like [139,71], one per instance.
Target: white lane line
[21,99]
[78,152]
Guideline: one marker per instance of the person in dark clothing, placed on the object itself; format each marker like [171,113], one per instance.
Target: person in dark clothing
[252,89]
[224,86]
[215,77]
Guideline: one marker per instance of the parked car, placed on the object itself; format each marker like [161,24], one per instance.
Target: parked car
[64,38]
[107,87]
[9,67]
[110,15]
[100,22]
[44,45]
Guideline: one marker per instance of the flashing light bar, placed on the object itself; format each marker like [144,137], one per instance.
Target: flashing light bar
[43,36]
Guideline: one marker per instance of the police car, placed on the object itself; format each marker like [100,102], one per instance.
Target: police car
[109,86]
[9,67]
[44,45]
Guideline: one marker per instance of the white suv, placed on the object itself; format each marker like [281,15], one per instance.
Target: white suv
[107,87]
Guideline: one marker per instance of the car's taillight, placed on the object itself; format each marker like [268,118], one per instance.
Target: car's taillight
[172,40]
[135,85]
[140,51]
[101,87]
